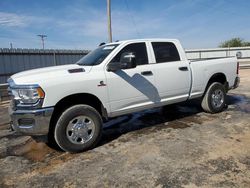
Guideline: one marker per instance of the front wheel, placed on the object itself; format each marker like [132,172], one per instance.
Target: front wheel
[214,98]
[78,129]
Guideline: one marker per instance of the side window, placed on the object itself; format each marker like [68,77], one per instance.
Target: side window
[140,52]
[165,52]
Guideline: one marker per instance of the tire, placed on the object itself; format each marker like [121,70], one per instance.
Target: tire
[78,129]
[214,98]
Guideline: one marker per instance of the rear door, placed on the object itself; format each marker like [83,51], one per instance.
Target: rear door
[172,75]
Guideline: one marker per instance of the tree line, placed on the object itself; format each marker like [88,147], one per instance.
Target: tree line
[234,42]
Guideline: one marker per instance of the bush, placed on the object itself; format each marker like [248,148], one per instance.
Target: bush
[234,42]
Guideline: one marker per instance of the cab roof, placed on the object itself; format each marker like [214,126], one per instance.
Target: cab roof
[145,40]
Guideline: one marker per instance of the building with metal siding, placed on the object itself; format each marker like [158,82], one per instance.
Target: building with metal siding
[16,60]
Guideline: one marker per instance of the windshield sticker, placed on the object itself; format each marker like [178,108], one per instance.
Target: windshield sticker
[108,47]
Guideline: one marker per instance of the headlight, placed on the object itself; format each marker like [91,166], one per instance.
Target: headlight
[28,95]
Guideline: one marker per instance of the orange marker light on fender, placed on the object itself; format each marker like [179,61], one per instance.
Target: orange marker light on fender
[41,93]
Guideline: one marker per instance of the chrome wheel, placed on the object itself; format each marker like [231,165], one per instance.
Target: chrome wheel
[80,130]
[217,98]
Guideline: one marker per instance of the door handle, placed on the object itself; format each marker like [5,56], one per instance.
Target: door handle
[147,73]
[183,68]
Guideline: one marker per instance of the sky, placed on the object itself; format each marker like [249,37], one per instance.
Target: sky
[82,24]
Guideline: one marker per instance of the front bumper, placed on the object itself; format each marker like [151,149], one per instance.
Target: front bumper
[31,122]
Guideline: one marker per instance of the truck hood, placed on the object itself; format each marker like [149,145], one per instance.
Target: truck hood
[35,76]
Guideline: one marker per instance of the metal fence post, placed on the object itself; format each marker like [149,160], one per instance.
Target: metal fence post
[54,54]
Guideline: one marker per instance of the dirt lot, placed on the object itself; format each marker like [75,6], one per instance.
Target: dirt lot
[178,147]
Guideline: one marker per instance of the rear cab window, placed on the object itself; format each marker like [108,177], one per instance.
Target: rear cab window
[165,52]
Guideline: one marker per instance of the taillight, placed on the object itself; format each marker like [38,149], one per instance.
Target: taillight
[238,66]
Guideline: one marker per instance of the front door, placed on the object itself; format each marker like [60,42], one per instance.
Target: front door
[132,89]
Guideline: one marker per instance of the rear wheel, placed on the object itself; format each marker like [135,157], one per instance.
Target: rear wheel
[214,98]
[78,129]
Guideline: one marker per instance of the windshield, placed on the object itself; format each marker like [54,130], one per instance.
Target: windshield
[97,56]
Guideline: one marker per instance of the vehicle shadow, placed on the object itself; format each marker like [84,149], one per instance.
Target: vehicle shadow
[140,83]
[177,116]
[157,117]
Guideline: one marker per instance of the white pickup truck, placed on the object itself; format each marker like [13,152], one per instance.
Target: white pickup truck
[71,102]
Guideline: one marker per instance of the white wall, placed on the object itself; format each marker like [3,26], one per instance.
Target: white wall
[217,52]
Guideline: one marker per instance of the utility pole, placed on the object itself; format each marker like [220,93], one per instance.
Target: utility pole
[109,20]
[42,38]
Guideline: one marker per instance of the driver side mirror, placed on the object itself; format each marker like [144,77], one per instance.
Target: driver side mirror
[127,61]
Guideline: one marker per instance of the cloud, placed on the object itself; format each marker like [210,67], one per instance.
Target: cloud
[8,19]
[83,23]
[13,20]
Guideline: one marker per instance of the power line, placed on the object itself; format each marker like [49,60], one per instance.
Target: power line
[30,38]
[132,18]
[42,38]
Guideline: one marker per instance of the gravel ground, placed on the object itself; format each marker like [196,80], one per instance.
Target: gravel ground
[178,146]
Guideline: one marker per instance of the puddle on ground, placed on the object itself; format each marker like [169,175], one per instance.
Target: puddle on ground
[241,102]
[236,99]
[174,117]
[178,116]
[244,108]
[170,117]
